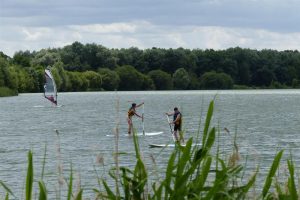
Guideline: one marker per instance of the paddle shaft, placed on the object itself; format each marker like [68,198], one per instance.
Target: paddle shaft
[143,119]
[171,128]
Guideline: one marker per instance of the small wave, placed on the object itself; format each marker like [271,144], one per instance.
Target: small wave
[39,106]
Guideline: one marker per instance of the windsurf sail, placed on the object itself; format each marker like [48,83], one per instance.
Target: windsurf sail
[50,91]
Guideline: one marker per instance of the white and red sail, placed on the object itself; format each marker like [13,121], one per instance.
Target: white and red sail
[50,91]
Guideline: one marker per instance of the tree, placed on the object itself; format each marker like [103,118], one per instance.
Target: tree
[282,75]
[45,58]
[22,58]
[40,73]
[162,80]
[72,57]
[176,58]
[25,81]
[8,76]
[110,79]
[2,73]
[64,85]
[130,78]
[78,81]
[229,66]
[181,79]
[132,56]
[213,80]
[94,80]
[194,82]
[34,80]
[148,83]
[243,76]
[75,81]
[263,77]
[57,78]
[153,58]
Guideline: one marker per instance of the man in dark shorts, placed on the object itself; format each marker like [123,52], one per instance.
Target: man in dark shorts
[177,121]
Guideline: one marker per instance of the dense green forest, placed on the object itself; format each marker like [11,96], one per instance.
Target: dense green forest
[93,67]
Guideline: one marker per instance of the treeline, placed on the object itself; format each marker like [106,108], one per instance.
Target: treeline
[92,67]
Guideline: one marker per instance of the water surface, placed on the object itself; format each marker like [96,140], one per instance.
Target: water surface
[264,120]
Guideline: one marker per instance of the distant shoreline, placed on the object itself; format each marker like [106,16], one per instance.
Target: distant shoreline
[6,92]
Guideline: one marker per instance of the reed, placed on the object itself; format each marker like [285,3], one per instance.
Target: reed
[29,177]
[6,189]
[42,187]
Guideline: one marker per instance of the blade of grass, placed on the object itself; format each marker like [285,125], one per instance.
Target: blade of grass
[6,188]
[207,121]
[29,178]
[291,183]
[184,158]
[79,195]
[271,174]
[204,172]
[43,191]
[110,194]
[210,140]
[70,184]
[169,175]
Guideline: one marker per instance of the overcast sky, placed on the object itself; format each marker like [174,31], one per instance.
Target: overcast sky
[217,24]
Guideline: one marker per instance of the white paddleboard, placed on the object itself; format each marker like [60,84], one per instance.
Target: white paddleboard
[139,134]
[168,145]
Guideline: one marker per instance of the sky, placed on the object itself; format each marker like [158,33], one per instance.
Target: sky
[195,24]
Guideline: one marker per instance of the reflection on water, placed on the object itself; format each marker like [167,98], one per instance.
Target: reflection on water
[265,121]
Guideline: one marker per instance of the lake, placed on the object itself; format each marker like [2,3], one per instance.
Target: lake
[264,120]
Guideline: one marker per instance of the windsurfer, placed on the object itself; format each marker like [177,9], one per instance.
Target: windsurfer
[50,91]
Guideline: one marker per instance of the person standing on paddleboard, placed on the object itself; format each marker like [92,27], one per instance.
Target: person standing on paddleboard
[132,112]
[177,121]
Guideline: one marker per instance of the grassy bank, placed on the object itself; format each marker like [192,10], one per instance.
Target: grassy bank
[192,172]
[6,92]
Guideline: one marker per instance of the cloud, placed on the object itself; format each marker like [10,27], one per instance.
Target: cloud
[144,34]
[35,24]
[105,28]
[273,15]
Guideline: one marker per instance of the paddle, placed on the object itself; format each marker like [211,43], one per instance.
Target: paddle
[143,119]
[170,128]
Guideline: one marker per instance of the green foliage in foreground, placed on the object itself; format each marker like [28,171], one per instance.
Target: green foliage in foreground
[192,172]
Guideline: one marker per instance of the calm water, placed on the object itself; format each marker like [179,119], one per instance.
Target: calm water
[265,121]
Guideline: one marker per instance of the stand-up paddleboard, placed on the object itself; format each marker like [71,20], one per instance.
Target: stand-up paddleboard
[139,134]
[168,145]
